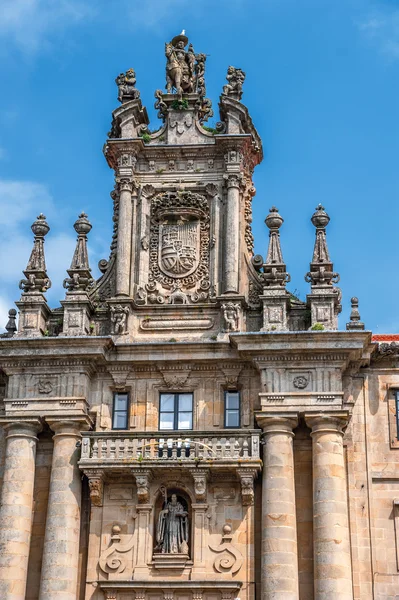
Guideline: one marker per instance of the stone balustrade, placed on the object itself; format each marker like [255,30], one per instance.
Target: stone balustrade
[118,448]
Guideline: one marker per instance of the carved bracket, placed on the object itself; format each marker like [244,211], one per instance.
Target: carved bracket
[96,485]
[231,374]
[247,477]
[176,377]
[230,559]
[119,376]
[143,479]
[200,477]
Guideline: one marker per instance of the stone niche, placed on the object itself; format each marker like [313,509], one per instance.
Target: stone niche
[172,532]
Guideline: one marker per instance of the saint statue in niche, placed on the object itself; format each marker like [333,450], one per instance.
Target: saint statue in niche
[172,529]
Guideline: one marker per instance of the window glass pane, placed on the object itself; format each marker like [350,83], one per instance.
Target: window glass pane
[166,421]
[167,402]
[185,420]
[232,418]
[120,420]
[185,402]
[232,399]
[120,402]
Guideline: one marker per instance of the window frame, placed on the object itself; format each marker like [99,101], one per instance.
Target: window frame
[176,411]
[114,411]
[236,391]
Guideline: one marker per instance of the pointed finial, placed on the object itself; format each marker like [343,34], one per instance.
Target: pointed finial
[80,278]
[11,326]
[36,276]
[321,268]
[274,268]
[355,322]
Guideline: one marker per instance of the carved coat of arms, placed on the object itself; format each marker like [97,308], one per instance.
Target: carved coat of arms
[179,248]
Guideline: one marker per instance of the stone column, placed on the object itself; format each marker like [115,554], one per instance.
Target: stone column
[16,506]
[331,545]
[124,247]
[232,234]
[61,543]
[279,540]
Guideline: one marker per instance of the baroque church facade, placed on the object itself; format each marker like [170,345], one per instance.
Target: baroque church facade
[185,428]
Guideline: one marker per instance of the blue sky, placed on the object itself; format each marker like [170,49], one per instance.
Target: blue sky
[322,87]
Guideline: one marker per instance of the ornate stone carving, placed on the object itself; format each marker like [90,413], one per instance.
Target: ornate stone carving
[274,270]
[321,268]
[231,374]
[112,560]
[175,378]
[235,79]
[200,477]
[44,386]
[355,322]
[247,485]
[96,486]
[11,326]
[230,559]
[80,278]
[179,65]
[160,106]
[300,382]
[173,526]
[231,316]
[119,317]
[127,159]
[143,479]
[126,83]
[37,279]
[179,248]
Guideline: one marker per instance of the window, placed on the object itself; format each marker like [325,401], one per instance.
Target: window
[120,411]
[397,412]
[232,409]
[176,411]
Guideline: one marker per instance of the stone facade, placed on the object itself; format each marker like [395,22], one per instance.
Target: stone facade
[184,428]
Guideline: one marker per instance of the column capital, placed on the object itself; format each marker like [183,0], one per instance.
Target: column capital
[126,183]
[233,180]
[21,426]
[69,426]
[277,422]
[327,422]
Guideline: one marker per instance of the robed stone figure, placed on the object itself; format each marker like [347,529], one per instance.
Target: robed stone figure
[172,530]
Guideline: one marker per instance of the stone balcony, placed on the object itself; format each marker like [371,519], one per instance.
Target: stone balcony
[121,450]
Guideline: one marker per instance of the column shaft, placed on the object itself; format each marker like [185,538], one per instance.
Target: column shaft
[279,540]
[124,246]
[16,508]
[61,543]
[332,556]
[231,233]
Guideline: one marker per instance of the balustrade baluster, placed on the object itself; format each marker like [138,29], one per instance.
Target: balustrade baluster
[174,450]
[104,448]
[219,448]
[129,448]
[147,448]
[95,448]
[245,452]
[112,449]
[200,446]
[210,450]
[237,448]
[227,448]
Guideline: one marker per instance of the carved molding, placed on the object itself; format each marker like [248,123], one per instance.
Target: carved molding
[96,485]
[200,477]
[143,479]
[247,477]
[230,559]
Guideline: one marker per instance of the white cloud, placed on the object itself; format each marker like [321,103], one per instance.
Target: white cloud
[20,203]
[381,28]
[30,23]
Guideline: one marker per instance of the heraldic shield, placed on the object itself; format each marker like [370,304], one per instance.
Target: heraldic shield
[179,248]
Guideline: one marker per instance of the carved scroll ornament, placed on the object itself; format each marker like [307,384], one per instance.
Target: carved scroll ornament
[112,560]
[230,559]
